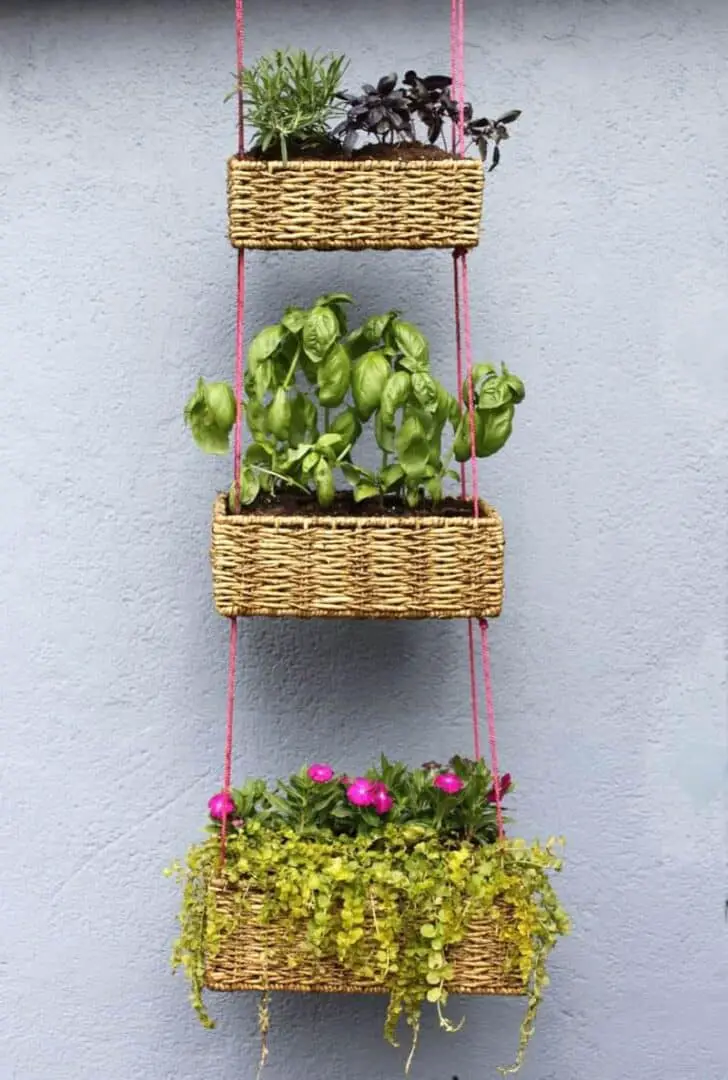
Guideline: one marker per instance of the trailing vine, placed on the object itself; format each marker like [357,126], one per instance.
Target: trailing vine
[389,900]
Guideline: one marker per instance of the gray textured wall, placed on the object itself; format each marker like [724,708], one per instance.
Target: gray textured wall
[603,280]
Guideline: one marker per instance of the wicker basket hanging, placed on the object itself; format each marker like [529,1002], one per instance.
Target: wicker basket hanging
[417,567]
[355,205]
[258,956]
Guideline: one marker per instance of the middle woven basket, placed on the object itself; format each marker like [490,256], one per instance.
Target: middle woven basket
[255,955]
[378,567]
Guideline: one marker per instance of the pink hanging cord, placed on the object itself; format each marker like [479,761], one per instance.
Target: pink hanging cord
[464,493]
[238,438]
[240,47]
[463,338]
[490,713]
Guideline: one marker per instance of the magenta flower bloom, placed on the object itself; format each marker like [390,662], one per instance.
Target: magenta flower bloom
[505,786]
[221,805]
[360,791]
[449,782]
[320,774]
[381,799]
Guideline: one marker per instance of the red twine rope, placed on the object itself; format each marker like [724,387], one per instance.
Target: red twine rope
[238,438]
[463,342]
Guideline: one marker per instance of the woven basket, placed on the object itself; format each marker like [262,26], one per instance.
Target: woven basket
[258,956]
[353,205]
[357,567]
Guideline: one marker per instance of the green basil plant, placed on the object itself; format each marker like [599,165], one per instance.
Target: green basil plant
[311,386]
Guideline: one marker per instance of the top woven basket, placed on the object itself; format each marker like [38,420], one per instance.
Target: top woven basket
[355,205]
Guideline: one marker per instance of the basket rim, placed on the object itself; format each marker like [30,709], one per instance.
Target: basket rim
[314,165]
[489,517]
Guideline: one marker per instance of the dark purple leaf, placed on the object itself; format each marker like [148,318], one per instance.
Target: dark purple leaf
[387,83]
[437,82]
[509,117]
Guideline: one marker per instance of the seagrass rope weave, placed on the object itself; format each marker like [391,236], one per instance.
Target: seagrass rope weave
[357,567]
[258,956]
[354,205]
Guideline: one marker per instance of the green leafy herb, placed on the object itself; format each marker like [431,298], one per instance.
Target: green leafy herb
[300,369]
[290,97]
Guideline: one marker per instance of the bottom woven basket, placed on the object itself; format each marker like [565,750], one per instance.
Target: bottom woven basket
[377,567]
[258,956]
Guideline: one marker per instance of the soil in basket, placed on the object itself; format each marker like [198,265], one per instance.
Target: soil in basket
[378,151]
[344,506]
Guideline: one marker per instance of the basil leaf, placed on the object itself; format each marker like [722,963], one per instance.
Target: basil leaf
[426,391]
[249,486]
[408,340]
[333,377]
[365,491]
[384,434]
[493,429]
[394,395]
[263,345]
[279,414]
[347,425]
[294,319]
[320,331]
[391,475]
[323,479]
[413,449]
[369,377]
[375,327]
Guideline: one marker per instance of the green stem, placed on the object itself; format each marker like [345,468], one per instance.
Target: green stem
[284,479]
[292,369]
[327,418]
[458,431]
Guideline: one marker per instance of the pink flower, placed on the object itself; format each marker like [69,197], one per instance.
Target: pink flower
[505,786]
[381,799]
[449,782]
[320,774]
[360,791]
[221,805]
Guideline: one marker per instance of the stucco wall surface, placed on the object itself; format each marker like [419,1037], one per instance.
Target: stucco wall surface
[602,279]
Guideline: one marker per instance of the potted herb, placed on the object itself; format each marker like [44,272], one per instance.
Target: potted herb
[292,541]
[331,169]
[393,882]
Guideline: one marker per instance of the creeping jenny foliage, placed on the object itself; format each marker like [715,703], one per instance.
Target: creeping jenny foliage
[388,897]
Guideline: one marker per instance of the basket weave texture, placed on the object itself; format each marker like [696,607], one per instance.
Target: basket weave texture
[262,956]
[416,567]
[354,205]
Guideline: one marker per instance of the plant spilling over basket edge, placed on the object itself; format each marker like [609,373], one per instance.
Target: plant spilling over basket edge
[378,874]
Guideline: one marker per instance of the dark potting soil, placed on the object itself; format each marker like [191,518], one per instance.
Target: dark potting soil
[344,505]
[332,151]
